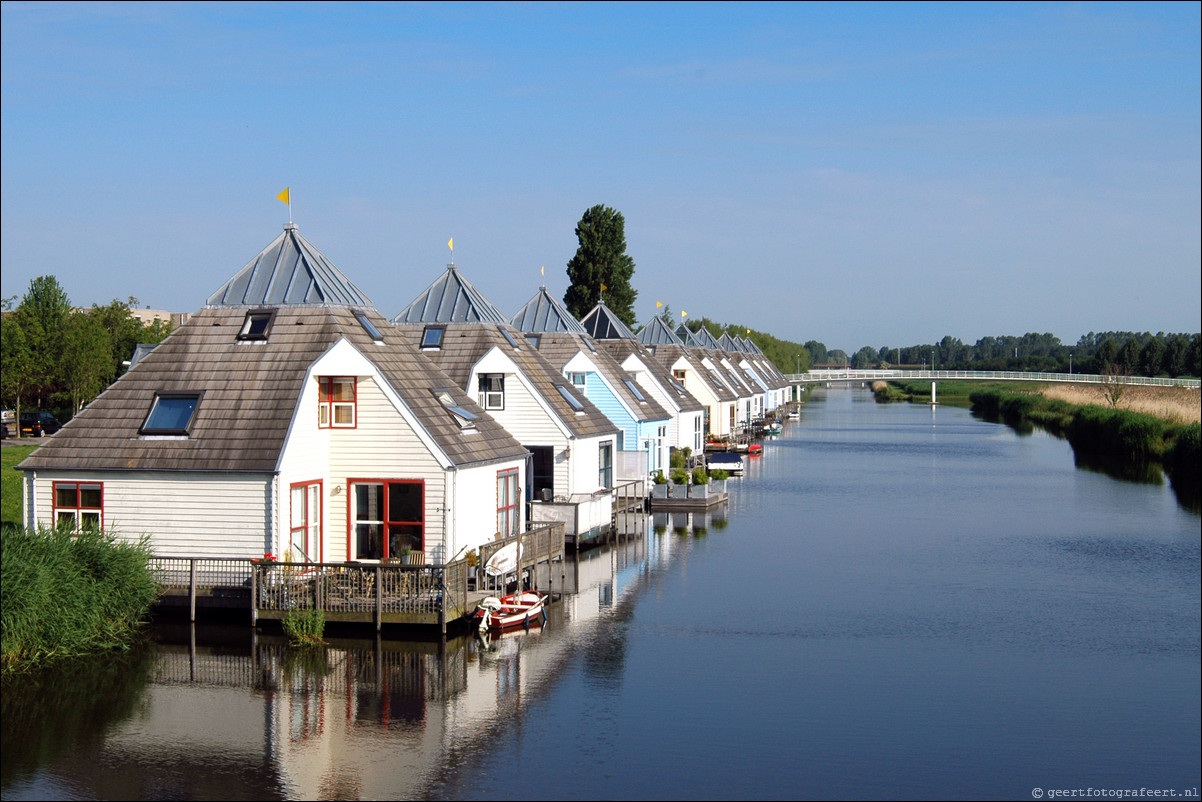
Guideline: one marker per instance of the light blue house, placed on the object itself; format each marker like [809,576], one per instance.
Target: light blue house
[643,423]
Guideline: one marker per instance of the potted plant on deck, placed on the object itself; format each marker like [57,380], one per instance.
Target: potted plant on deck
[700,486]
[680,483]
[660,488]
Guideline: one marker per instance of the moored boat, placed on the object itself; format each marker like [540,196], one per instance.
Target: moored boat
[525,609]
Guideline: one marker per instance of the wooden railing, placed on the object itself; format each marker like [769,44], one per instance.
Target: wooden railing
[379,593]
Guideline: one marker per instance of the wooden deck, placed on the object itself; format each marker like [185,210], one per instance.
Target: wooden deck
[354,592]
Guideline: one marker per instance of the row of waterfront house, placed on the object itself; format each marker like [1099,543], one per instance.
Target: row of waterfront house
[290,417]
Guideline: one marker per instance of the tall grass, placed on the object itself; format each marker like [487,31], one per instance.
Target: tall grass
[65,595]
[1101,431]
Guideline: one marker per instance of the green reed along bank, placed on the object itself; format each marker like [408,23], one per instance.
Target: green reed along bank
[1100,431]
[65,594]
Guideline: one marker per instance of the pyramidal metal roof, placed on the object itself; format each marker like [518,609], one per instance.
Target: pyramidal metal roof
[688,337]
[289,271]
[603,324]
[451,299]
[708,340]
[657,332]
[543,313]
[728,343]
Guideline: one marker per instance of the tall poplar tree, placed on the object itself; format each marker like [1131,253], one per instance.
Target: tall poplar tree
[601,261]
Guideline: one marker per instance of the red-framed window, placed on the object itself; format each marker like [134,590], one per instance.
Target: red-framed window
[509,499]
[386,515]
[79,505]
[337,403]
[304,540]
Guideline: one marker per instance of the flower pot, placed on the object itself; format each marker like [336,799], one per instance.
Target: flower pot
[659,491]
[679,491]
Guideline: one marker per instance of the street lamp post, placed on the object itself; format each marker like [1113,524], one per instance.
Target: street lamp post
[1070,364]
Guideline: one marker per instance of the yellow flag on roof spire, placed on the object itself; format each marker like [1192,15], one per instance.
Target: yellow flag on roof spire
[604,288]
[683,313]
[542,271]
[658,304]
[451,244]
[283,196]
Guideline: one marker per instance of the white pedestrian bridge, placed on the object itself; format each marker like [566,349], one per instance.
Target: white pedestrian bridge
[829,376]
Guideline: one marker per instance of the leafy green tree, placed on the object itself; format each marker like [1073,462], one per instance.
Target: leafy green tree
[817,351]
[43,312]
[1176,356]
[864,358]
[17,370]
[1129,356]
[601,261]
[1151,357]
[86,360]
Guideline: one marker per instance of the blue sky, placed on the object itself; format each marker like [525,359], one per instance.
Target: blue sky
[858,174]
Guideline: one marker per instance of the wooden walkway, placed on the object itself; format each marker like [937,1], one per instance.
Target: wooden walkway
[355,592]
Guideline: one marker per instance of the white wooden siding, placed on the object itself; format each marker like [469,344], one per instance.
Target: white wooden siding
[184,515]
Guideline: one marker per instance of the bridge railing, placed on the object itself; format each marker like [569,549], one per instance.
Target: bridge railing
[823,376]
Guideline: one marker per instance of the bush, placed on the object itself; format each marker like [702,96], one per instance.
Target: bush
[659,478]
[304,627]
[719,474]
[700,477]
[67,594]
[680,477]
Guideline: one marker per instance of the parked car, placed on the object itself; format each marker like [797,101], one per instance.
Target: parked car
[38,424]
[7,418]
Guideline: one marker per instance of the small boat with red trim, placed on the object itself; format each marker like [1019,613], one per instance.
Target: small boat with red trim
[525,609]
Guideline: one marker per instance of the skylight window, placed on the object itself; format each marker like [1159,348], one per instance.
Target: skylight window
[634,389]
[367,325]
[571,399]
[589,342]
[256,325]
[509,337]
[432,336]
[171,413]
[463,416]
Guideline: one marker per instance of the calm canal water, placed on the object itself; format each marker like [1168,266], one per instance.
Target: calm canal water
[896,603]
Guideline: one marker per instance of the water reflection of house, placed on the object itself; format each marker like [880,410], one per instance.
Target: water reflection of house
[571,473]
[286,416]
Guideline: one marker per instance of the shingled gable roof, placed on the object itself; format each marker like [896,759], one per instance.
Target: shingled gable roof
[561,337]
[473,326]
[289,271]
[249,392]
[451,299]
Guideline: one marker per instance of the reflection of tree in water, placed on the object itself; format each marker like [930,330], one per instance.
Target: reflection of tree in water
[68,706]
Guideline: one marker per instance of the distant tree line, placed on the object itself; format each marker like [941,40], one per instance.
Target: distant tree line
[1129,353]
[55,357]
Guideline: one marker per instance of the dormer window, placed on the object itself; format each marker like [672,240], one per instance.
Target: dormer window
[492,390]
[257,324]
[432,337]
[171,414]
[337,402]
[534,339]
[578,380]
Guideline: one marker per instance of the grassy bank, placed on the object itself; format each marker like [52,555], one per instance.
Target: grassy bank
[1095,430]
[64,595]
[949,393]
[10,483]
